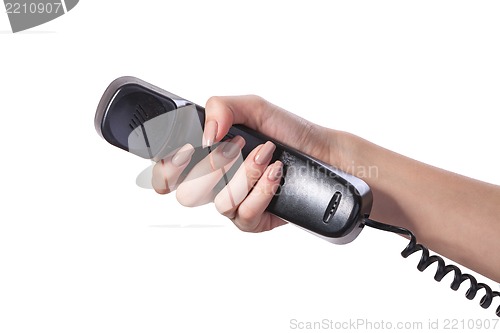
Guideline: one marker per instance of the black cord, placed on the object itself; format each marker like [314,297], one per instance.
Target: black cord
[442,268]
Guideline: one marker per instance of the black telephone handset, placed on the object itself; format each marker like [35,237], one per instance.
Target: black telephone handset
[151,122]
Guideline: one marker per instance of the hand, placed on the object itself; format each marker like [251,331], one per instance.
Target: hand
[249,192]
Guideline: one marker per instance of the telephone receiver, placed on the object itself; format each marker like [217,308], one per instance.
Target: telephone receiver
[150,122]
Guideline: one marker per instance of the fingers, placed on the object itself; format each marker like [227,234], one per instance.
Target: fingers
[231,196]
[251,215]
[245,198]
[167,171]
[197,187]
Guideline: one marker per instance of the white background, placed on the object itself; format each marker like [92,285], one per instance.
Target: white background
[83,249]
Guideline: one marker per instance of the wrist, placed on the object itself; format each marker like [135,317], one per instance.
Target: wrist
[342,149]
[351,154]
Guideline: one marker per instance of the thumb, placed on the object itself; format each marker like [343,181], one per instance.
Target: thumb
[223,112]
[264,117]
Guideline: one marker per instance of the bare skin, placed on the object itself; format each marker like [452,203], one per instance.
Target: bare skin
[453,215]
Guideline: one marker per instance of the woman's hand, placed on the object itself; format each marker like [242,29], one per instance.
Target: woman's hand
[407,193]
[246,197]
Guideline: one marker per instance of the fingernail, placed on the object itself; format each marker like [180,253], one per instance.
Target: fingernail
[183,155]
[209,133]
[233,147]
[265,153]
[276,171]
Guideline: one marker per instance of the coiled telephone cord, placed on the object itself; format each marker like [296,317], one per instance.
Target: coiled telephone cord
[442,269]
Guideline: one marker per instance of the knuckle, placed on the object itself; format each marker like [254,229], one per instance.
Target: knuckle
[246,218]
[254,172]
[185,198]
[224,207]
[161,190]
[159,183]
[219,205]
[258,99]
[243,226]
[214,102]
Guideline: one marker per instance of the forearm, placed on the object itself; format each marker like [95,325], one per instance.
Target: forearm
[453,215]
